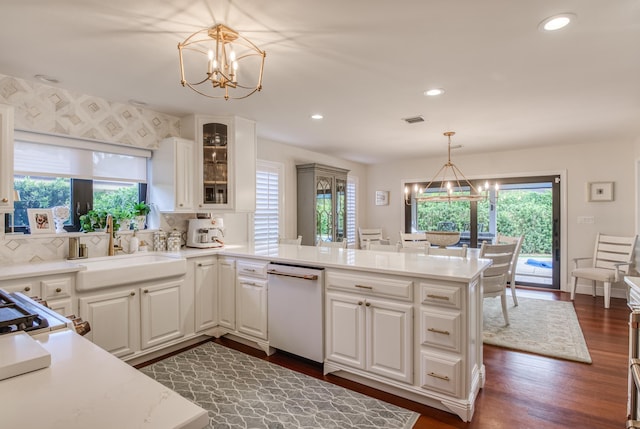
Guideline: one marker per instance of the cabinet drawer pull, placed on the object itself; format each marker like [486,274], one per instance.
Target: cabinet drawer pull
[249,270]
[445,298]
[132,294]
[205,264]
[249,283]
[438,331]
[441,377]
[364,287]
[58,289]
[27,288]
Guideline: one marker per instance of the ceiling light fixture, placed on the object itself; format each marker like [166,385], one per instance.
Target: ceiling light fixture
[556,22]
[434,92]
[448,184]
[317,116]
[215,54]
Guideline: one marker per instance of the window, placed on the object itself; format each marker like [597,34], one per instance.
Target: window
[267,217]
[352,186]
[85,175]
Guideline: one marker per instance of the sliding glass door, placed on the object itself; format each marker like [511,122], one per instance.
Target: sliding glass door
[528,206]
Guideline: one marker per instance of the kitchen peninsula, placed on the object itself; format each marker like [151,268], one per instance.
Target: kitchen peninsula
[410,324]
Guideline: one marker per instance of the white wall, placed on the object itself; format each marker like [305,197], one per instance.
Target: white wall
[290,156]
[609,161]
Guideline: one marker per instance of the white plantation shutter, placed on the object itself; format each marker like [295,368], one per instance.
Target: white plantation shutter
[267,216]
[352,185]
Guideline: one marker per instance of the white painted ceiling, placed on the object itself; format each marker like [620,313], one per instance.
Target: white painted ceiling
[363,64]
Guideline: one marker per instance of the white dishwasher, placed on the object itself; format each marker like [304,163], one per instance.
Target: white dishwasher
[296,310]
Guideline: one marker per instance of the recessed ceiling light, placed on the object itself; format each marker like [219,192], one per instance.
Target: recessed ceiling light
[317,116]
[556,22]
[137,103]
[433,92]
[46,79]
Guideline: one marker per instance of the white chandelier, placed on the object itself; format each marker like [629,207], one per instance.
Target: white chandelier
[215,55]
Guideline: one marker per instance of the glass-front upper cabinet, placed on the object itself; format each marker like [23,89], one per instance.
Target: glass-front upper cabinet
[225,162]
[215,184]
[322,203]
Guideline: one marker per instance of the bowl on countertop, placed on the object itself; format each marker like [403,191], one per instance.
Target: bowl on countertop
[443,238]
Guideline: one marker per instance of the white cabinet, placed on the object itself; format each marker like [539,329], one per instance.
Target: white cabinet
[251,302]
[371,334]
[114,320]
[173,184]
[227,293]
[242,295]
[56,290]
[6,159]
[160,313]
[125,321]
[206,293]
[225,161]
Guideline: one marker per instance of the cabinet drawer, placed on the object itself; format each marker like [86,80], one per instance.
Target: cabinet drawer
[57,288]
[445,296]
[441,329]
[441,373]
[379,285]
[252,268]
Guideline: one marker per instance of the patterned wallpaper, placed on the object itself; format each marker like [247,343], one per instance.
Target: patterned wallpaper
[50,109]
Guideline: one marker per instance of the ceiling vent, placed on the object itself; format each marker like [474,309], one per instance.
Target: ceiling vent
[413,119]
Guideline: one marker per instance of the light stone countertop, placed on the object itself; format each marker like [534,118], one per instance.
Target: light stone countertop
[396,263]
[412,264]
[87,387]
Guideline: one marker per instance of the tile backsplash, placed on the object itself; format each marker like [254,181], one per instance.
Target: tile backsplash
[21,248]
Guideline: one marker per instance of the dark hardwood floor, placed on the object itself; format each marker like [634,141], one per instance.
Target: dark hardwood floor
[526,390]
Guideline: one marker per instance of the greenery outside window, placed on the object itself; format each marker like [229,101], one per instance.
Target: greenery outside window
[82,174]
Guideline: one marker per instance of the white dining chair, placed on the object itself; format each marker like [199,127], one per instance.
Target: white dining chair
[511,277]
[447,251]
[334,244]
[381,247]
[374,235]
[413,239]
[494,278]
[290,240]
[613,258]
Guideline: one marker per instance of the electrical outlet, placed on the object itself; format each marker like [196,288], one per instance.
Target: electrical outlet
[586,219]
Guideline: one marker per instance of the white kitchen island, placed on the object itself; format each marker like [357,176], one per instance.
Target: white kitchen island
[405,323]
[87,387]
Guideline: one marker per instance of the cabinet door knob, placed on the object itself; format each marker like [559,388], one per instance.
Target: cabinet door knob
[146,291]
[132,294]
[27,288]
[58,289]
[368,304]
[181,204]
[5,200]
[359,302]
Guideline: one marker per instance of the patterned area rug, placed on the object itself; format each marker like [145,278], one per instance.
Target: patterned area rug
[538,326]
[241,391]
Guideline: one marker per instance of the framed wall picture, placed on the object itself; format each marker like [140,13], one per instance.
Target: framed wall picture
[41,221]
[600,191]
[382,198]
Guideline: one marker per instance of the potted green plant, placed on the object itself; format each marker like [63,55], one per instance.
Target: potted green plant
[140,211]
[122,217]
[94,220]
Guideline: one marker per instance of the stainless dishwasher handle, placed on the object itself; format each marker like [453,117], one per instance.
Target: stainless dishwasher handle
[297,276]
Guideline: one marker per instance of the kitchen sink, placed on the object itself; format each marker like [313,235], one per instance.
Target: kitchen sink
[118,270]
